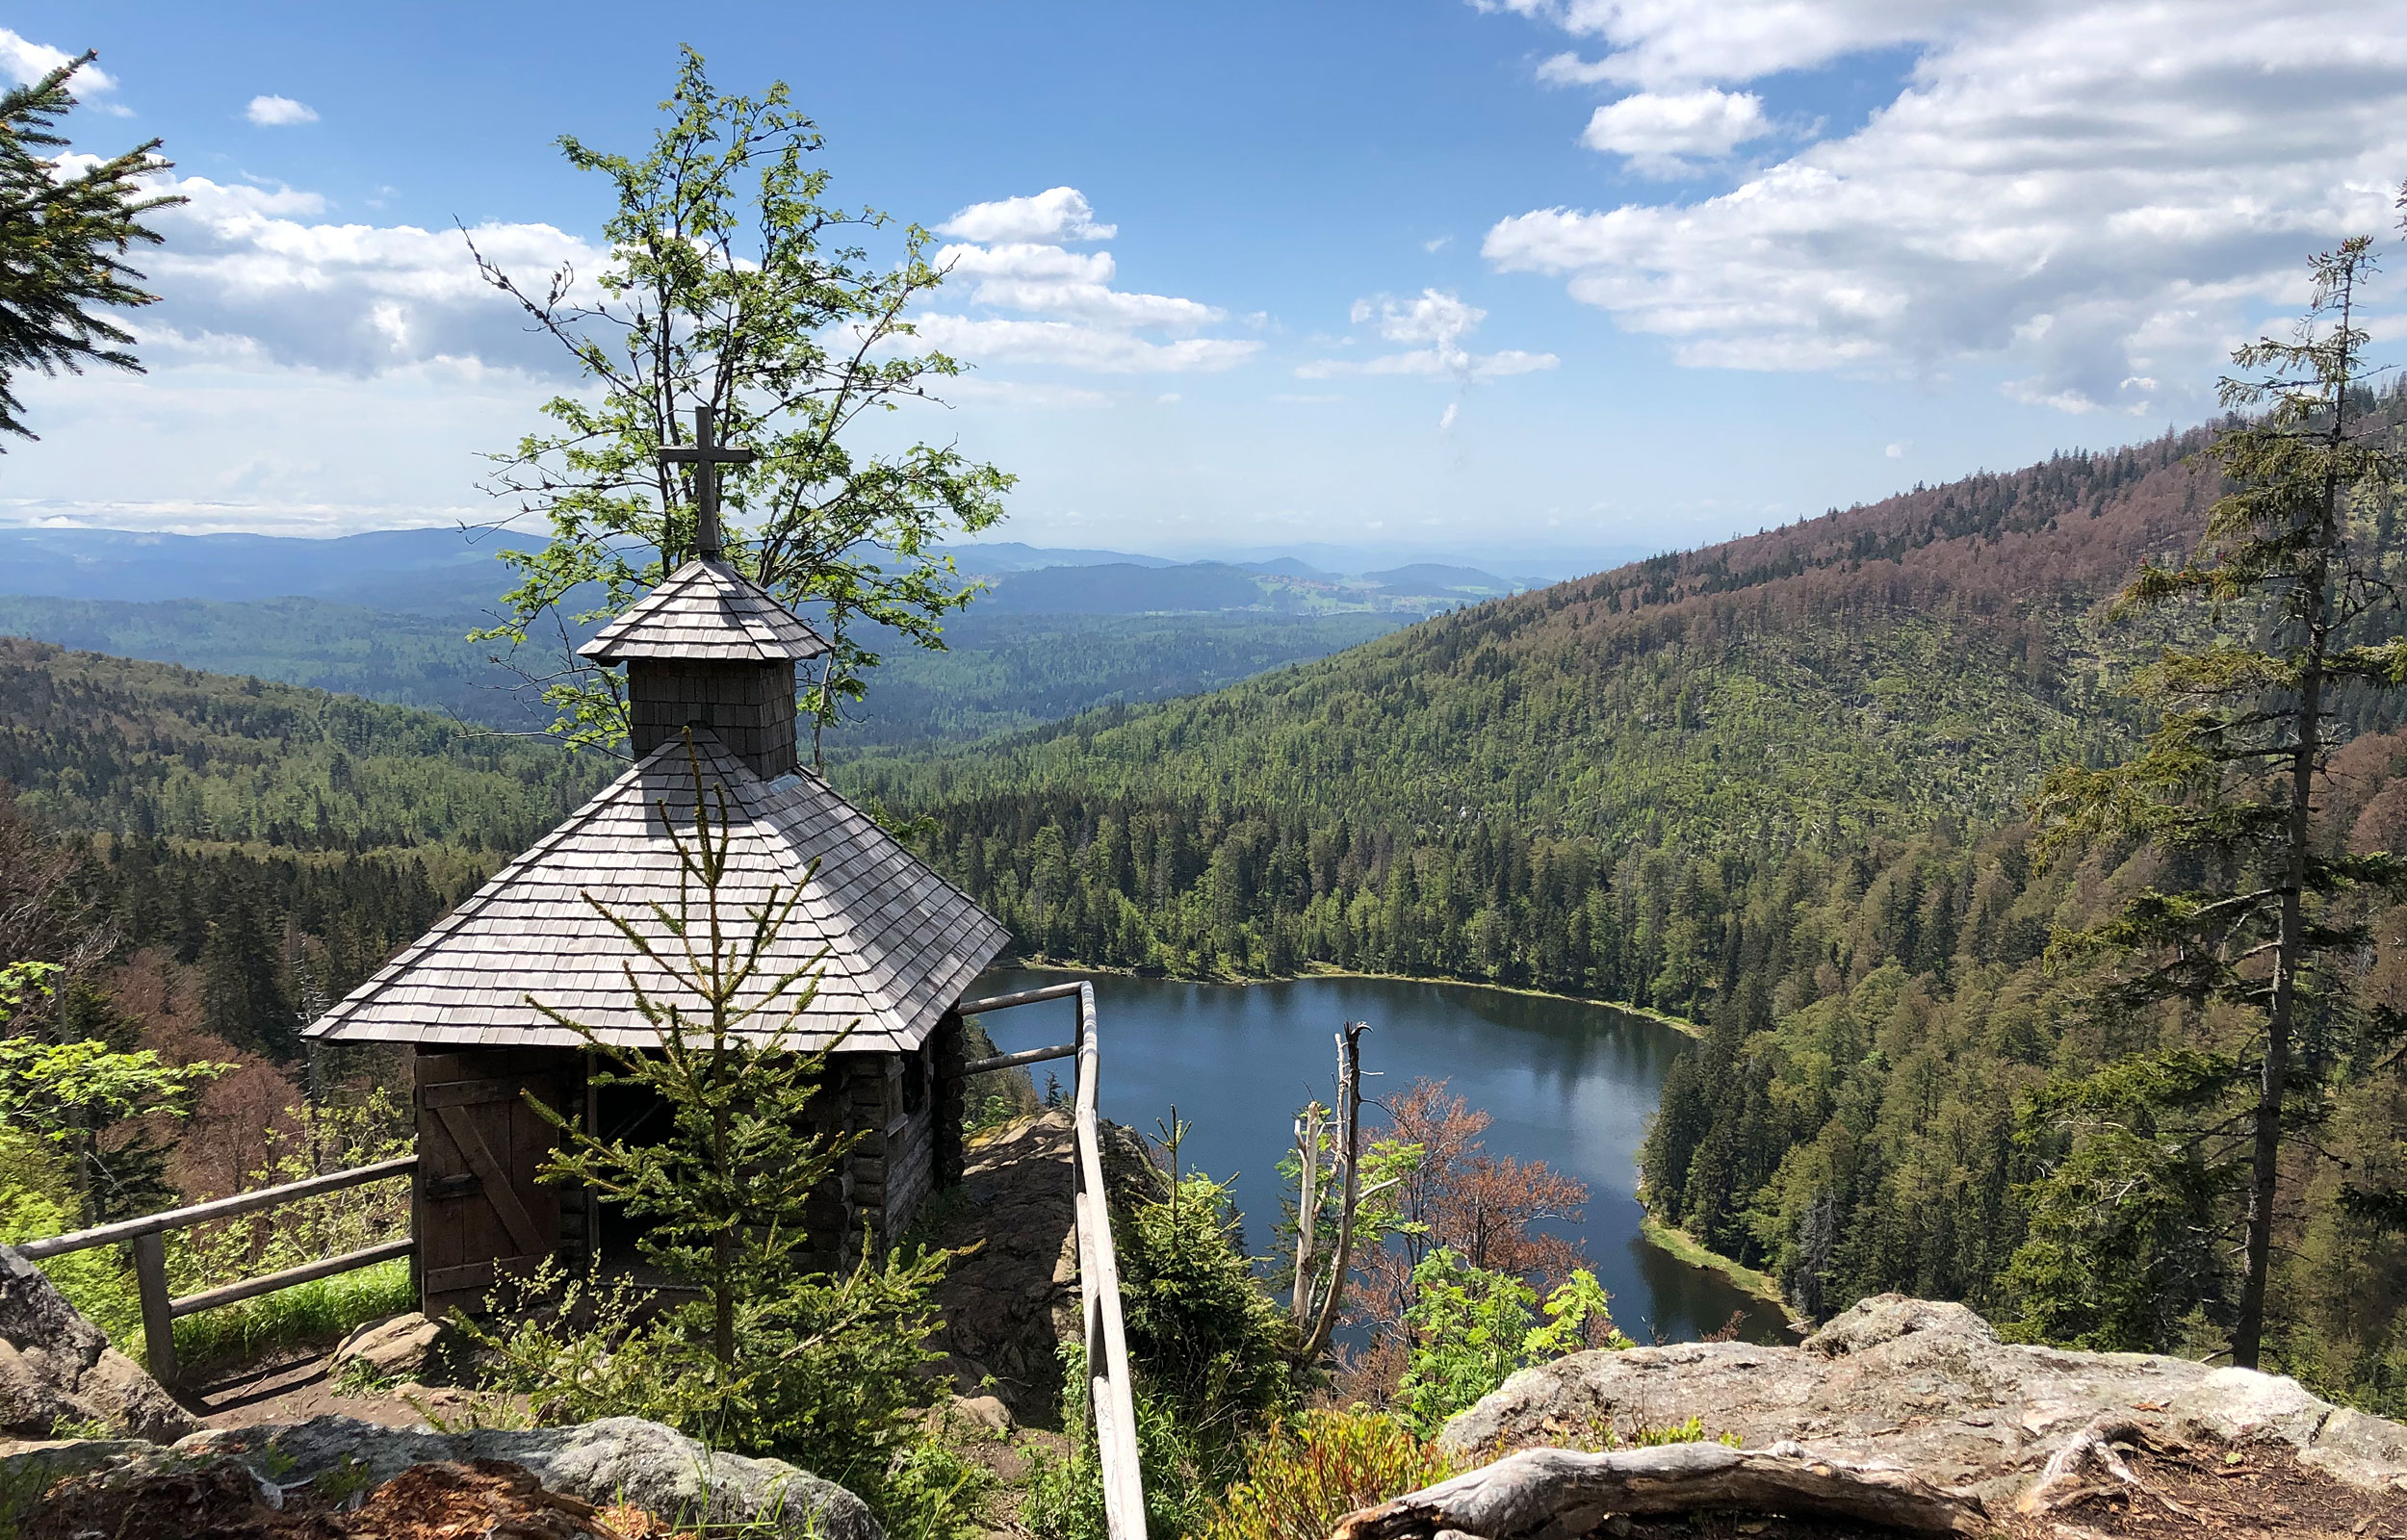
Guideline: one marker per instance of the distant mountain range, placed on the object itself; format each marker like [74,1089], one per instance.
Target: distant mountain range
[415,569]
[452,573]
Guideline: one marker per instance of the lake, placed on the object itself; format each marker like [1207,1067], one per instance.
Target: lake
[1566,1082]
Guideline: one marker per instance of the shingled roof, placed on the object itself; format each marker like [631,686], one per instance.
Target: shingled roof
[900,943]
[706,609]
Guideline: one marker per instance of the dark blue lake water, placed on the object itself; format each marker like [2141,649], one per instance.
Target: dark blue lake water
[1568,1083]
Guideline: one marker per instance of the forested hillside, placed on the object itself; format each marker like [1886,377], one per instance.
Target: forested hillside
[1572,772]
[999,672]
[281,842]
[1774,787]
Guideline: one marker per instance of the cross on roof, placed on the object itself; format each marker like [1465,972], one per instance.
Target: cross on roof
[705,456]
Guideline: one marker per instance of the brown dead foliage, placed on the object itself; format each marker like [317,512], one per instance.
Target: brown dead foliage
[481,1499]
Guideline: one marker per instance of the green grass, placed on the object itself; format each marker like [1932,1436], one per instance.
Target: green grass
[306,1312]
[1687,1248]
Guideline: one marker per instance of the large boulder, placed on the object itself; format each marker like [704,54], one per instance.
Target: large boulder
[57,1369]
[620,1459]
[396,1347]
[1930,1388]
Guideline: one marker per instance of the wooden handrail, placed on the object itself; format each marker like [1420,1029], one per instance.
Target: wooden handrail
[1108,1385]
[252,1288]
[221,1208]
[149,1237]
[1013,1061]
[1003,1002]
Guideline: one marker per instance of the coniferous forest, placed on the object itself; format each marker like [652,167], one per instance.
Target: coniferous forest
[1777,788]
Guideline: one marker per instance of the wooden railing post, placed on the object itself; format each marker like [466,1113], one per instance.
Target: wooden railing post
[150,1277]
[1109,1386]
[147,1236]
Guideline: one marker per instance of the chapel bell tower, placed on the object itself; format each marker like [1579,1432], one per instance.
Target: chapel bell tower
[707,647]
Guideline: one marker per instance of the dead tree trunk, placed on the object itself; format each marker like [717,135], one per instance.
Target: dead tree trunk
[1539,1494]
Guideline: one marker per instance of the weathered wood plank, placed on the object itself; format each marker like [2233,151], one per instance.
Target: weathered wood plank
[498,1190]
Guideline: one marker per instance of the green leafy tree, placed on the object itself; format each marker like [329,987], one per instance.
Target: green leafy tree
[1471,1328]
[66,1094]
[244,1000]
[2252,937]
[734,284]
[63,240]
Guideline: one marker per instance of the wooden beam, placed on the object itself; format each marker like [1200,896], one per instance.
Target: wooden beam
[1006,1061]
[150,1281]
[267,1198]
[253,1288]
[1569,1492]
[498,1191]
[998,1002]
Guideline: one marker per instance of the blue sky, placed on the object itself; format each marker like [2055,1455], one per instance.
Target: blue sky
[1529,275]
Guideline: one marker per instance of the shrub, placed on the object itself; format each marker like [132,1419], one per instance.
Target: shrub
[1300,1481]
[1205,1335]
[1471,1328]
[1065,1499]
[37,1200]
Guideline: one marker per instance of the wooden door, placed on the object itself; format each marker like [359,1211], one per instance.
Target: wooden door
[481,1210]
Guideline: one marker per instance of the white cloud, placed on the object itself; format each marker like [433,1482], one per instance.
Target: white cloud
[1068,344]
[23,62]
[1055,214]
[1656,43]
[1049,280]
[1009,258]
[1441,320]
[251,274]
[1660,133]
[2090,195]
[279,111]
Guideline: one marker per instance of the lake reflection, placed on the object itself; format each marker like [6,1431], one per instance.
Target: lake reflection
[1567,1083]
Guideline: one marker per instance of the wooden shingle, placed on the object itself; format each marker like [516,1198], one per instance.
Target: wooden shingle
[705,610]
[899,944]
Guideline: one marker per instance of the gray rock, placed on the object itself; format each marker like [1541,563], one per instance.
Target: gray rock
[1010,1304]
[619,1459]
[58,1368]
[395,1348]
[987,1413]
[1928,1387]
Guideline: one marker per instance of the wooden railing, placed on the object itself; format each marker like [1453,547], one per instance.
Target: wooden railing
[1099,1264]
[149,1237]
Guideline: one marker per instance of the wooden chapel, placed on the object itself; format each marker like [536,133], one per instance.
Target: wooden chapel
[710,651]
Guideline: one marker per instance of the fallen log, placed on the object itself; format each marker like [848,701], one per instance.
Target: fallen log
[1558,1493]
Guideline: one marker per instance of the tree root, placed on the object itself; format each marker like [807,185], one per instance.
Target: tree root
[2086,1466]
[1557,1494]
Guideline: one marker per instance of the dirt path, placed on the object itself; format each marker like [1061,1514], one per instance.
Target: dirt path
[290,1385]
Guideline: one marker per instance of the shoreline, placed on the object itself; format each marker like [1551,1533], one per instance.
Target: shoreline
[1678,1024]
[1686,1248]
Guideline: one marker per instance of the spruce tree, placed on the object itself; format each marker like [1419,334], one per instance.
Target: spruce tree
[2249,941]
[62,243]
[243,1001]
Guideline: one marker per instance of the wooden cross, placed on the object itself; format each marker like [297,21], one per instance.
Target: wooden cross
[706,457]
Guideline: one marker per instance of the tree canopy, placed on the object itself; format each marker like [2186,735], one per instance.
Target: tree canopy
[734,284]
[63,240]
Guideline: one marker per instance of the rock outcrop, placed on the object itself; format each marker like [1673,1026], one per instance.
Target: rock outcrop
[618,1460]
[57,1369]
[1907,1385]
[1010,1304]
